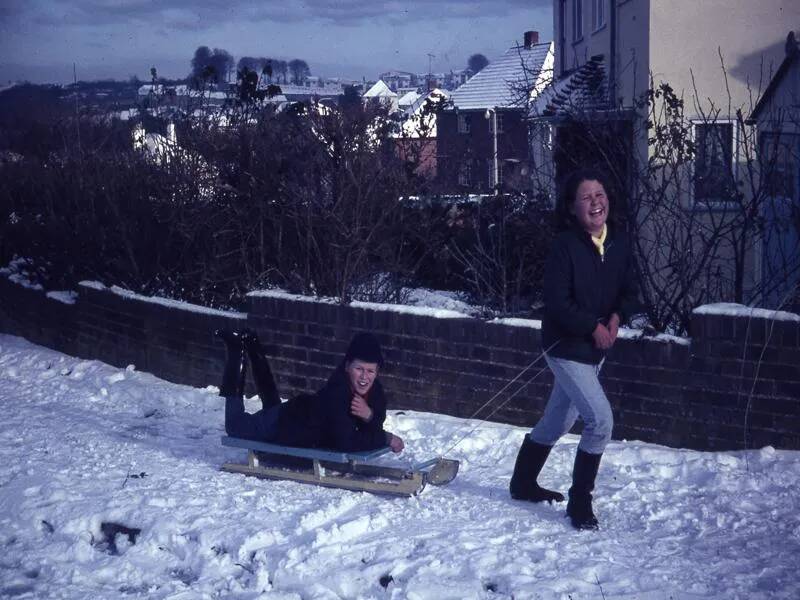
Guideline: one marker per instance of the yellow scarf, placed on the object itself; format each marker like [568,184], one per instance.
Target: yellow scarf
[599,241]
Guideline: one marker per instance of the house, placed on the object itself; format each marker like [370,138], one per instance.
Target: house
[606,52]
[408,101]
[417,139]
[707,63]
[396,80]
[381,93]
[482,133]
[776,118]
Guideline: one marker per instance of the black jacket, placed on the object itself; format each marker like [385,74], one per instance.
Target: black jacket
[582,289]
[323,420]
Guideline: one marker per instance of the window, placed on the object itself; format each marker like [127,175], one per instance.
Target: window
[598,14]
[562,35]
[465,174]
[463,123]
[713,161]
[577,20]
[778,164]
[500,122]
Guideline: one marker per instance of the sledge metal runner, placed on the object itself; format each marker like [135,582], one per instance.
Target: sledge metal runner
[356,471]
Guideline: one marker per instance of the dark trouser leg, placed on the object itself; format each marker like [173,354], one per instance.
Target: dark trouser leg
[261,426]
[238,423]
[262,374]
[579,507]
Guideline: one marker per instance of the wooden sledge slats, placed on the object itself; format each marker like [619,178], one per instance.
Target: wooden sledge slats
[410,485]
[346,470]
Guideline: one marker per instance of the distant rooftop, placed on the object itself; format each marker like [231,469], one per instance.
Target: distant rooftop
[502,83]
[380,89]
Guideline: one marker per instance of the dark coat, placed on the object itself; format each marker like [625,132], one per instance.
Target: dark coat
[323,420]
[582,289]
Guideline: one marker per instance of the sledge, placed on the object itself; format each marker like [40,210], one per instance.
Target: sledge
[355,471]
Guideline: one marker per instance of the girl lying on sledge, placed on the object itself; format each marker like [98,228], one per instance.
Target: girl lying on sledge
[346,414]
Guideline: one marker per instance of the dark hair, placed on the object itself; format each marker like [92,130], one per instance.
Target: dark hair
[569,187]
[365,347]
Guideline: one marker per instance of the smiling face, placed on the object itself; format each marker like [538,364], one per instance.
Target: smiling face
[361,375]
[590,206]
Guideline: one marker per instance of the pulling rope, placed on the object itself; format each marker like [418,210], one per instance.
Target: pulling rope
[506,401]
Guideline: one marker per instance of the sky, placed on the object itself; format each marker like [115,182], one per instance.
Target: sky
[40,40]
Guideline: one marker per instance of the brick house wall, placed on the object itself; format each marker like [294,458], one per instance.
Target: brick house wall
[476,148]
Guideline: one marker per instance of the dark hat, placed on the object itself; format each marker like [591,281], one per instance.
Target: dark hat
[364,347]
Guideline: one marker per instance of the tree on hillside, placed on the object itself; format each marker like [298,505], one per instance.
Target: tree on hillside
[299,70]
[477,62]
[213,66]
[252,63]
[280,70]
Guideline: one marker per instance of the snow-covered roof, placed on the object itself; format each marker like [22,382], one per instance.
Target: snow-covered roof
[148,89]
[500,82]
[422,125]
[408,99]
[379,90]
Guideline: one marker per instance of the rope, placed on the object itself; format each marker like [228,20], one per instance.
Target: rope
[781,304]
[501,405]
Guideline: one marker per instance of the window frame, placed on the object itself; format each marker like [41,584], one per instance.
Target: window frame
[734,150]
[464,123]
[598,15]
[577,21]
[465,174]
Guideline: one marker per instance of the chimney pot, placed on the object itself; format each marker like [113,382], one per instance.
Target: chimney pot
[531,38]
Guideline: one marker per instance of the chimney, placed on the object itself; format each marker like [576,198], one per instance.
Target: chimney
[531,38]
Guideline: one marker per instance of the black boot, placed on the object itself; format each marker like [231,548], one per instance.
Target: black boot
[579,507]
[262,374]
[233,375]
[530,460]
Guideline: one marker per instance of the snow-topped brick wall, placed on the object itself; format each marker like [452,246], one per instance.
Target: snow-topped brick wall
[734,384]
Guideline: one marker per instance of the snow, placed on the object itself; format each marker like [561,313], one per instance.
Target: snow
[63,296]
[425,311]
[517,322]
[83,443]
[441,299]
[740,310]
[421,301]
[283,295]
[168,302]
[20,271]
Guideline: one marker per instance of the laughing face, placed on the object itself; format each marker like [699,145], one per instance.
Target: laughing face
[591,206]
[361,376]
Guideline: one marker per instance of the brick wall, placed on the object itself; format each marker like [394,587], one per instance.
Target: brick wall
[695,395]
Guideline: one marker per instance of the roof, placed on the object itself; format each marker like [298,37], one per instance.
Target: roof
[494,85]
[409,98]
[379,90]
[582,89]
[792,54]
[421,123]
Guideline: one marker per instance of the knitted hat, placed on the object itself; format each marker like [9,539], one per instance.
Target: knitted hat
[364,347]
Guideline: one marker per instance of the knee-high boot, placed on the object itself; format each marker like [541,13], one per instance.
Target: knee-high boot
[235,370]
[262,373]
[530,460]
[579,507]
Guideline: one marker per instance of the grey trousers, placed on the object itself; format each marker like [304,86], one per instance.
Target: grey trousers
[576,392]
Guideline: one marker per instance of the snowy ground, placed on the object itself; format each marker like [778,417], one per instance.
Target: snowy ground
[83,443]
